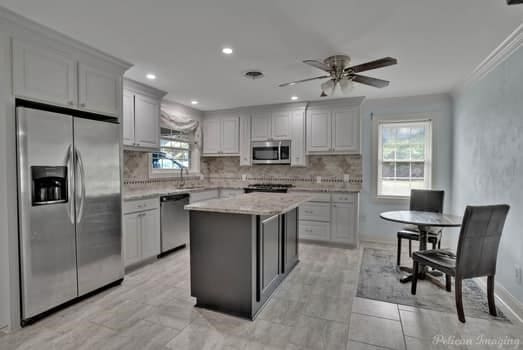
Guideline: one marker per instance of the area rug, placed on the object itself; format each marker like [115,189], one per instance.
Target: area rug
[379,280]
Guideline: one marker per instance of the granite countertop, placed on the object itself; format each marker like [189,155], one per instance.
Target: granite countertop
[256,203]
[150,193]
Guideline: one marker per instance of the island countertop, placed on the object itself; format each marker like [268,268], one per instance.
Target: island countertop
[256,203]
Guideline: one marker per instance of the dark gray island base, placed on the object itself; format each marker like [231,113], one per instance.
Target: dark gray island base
[238,260]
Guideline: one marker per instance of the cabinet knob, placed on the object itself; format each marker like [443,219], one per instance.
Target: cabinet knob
[70,103]
[82,104]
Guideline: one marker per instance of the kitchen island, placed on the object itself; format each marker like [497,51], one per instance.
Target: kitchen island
[242,248]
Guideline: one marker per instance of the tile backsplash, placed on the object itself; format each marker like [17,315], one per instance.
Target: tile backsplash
[226,171]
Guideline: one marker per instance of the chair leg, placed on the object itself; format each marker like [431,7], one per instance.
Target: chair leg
[439,243]
[434,245]
[414,278]
[448,283]
[410,248]
[491,297]
[459,299]
[398,258]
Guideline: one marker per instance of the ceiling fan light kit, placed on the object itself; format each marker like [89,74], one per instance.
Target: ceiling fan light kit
[344,75]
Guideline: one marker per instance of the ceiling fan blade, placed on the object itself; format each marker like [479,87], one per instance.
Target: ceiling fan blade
[382,62]
[304,80]
[318,64]
[362,79]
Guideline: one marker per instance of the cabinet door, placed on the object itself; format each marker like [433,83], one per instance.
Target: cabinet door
[343,223]
[268,253]
[318,131]
[132,238]
[99,91]
[44,74]
[150,233]
[261,126]
[146,121]
[245,140]
[128,118]
[230,135]
[290,250]
[281,125]
[346,130]
[211,136]
[298,157]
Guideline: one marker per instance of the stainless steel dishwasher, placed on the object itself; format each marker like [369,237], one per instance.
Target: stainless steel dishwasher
[174,222]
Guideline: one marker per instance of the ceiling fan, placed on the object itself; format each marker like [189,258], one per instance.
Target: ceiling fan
[340,73]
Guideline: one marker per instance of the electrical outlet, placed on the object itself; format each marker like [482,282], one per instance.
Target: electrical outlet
[318,179]
[519,277]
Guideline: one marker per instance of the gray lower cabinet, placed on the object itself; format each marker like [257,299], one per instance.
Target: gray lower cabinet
[269,254]
[237,261]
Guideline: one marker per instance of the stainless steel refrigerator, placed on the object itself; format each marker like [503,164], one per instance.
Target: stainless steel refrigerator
[69,195]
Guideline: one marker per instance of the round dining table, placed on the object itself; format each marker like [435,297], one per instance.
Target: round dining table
[423,220]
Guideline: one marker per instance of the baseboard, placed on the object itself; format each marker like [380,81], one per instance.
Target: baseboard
[511,304]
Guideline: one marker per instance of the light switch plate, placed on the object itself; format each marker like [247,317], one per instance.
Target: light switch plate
[244,177]
[346,177]
[318,179]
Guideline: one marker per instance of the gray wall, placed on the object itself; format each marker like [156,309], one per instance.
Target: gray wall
[488,156]
[439,108]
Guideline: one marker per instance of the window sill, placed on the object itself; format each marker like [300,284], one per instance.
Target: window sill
[171,173]
[392,198]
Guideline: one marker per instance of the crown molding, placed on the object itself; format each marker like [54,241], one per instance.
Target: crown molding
[19,24]
[510,45]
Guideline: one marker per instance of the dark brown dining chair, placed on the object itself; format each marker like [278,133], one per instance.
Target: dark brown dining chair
[476,256]
[422,200]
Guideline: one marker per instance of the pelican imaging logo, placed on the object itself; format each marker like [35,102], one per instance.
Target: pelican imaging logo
[505,342]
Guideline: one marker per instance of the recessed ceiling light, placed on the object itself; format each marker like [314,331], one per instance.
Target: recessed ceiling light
[294,98]
[290,84]
[150,76]
[194,102]
[227,50]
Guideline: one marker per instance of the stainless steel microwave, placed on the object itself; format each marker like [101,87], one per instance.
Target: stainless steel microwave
[271,152]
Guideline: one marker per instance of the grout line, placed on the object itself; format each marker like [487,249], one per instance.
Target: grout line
[402,329]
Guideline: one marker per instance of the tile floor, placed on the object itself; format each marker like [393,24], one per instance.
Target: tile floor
[315,308]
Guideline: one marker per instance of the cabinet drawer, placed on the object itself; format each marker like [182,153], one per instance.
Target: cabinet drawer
[318,196]
[314,230]
[343,198]
[141,205]
[203,196]
[315,211]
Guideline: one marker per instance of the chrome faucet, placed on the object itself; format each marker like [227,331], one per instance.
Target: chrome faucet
[182,179]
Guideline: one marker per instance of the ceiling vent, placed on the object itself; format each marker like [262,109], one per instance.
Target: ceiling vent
[253,74]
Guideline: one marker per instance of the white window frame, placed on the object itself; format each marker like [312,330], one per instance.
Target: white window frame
[159,173]
[377,156]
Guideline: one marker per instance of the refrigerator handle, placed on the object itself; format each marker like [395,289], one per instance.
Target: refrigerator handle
[81,180]
[70,183]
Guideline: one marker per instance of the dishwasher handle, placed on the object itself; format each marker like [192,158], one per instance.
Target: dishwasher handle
[174,197]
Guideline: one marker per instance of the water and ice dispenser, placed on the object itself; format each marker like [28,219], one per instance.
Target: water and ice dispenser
[49,185]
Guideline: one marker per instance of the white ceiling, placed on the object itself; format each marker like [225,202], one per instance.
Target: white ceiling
[438,42]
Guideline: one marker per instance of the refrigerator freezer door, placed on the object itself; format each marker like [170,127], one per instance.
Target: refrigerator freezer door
[47,231]
[98,204]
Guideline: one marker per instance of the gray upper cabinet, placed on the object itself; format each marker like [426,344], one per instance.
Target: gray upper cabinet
[99,91]
[66,78]
[128,117]
[141,116]
[334,127]
[245,140]
[43,74]
[271,125]
[261,126]
[221,135]
[281,125]
[297,126]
